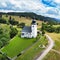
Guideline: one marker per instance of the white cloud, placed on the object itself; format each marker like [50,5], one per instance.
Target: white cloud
[10,11]
[57,1]
[4,4]
[28,4]
[31,6]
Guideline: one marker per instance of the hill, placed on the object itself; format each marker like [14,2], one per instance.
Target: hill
[32,15]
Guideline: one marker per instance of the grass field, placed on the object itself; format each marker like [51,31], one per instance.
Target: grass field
[34,51]
[56,38]
[53,55]
[5,26]
[17,45]
[56,25]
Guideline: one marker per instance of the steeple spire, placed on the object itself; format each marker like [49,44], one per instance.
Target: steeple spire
[33,21]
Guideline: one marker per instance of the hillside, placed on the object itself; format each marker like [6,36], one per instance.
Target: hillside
[54,54]
[27,18]
[32,15]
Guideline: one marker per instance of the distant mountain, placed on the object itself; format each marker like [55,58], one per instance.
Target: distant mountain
[58,20]
[32,15]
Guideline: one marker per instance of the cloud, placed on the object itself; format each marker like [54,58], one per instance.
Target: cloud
[4,4]
[49,8]
[57,1]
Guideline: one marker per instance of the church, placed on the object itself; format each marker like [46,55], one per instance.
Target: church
[30,31]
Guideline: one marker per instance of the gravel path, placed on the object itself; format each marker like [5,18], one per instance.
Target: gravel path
[49,47]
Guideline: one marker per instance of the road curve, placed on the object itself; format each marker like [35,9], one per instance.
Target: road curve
[49,47]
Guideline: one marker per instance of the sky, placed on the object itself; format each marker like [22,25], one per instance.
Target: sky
[49,8]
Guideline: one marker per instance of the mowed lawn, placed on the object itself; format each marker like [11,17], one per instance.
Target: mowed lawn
[34,51]
[17,45]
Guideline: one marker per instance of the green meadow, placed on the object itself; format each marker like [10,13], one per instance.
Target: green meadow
[34,51]
[17,45]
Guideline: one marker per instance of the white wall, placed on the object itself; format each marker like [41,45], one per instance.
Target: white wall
[34,30]
[28,35]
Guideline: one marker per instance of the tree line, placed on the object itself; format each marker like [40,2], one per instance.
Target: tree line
[11,21]
[50,28]
[33,16]
[6,34]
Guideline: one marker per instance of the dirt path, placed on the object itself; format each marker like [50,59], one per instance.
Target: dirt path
[56,51]
[49,47]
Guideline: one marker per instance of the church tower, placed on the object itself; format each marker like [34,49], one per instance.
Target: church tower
[34,28]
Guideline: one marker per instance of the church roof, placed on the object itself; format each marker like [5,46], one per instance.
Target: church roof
[27,29]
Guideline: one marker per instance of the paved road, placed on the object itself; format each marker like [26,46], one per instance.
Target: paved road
[49,47]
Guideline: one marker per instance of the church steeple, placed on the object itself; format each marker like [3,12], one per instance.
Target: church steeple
[34,28]
[33,22]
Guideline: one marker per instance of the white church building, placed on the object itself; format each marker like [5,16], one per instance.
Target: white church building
[30,31]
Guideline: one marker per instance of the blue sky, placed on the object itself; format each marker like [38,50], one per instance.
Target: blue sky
[49,8]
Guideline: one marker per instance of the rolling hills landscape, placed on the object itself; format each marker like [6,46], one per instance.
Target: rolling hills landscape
[29,29]
[13,47]
[31,15]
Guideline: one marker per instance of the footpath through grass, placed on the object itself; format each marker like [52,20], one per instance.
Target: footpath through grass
[16,45]
[56,38]
[34,51]
[53,55]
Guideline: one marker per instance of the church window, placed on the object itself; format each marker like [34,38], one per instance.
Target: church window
[22,33]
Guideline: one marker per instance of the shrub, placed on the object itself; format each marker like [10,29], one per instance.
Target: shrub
[21,25]
[43,32]
[3,21]
[57,30]
[13,22]
[13,32]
